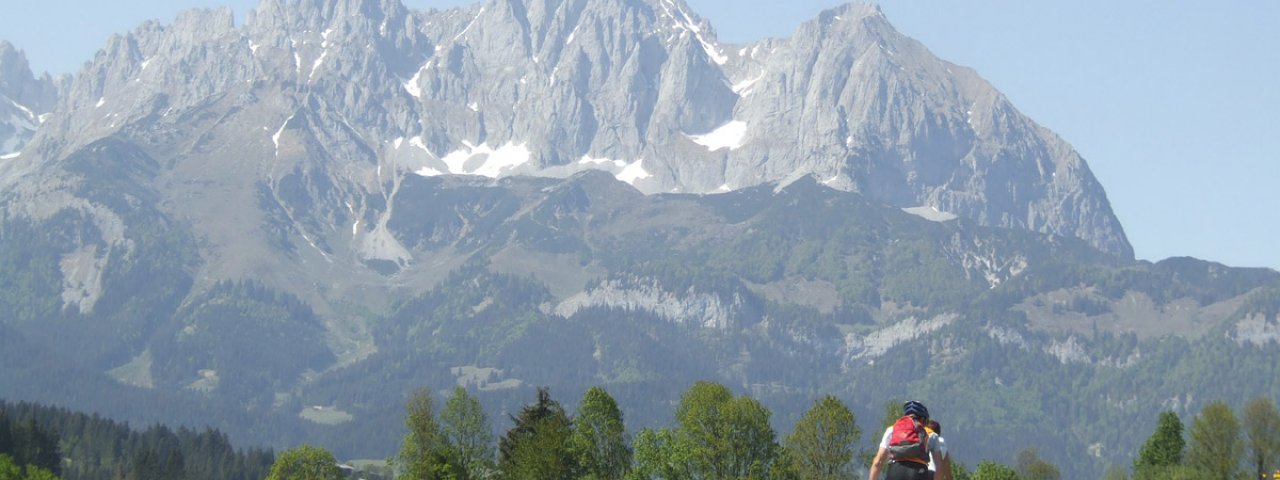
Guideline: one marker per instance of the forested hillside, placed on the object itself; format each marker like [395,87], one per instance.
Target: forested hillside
[783,292]
[79,446]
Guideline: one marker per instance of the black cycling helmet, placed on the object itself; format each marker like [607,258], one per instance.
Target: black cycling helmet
[915,409]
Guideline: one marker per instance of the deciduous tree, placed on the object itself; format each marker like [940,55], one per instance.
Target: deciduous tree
[1032,467]
[599,437]
[822,444]
[466,432]
[988,470]
[658,455]
[423,456]
[305,463]
[1217,446]
[1115,472]
[1262,428]
[11,471]
[726,437]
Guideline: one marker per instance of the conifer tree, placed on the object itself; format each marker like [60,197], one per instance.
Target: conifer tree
[1162,450]
[6,435]
[33,445]
[145,465]
[538,445]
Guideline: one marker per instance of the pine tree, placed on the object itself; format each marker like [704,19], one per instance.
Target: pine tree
[538,445]
[6,434]
[34,445]
[145,465]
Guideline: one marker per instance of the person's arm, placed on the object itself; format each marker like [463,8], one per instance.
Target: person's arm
[878,463]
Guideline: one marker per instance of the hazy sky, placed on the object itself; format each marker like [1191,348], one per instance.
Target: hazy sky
[1174,105]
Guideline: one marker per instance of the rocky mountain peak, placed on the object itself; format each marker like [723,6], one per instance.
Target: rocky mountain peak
[19,84]
[641,89]
[24,99]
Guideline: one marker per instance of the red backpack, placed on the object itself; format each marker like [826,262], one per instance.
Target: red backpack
[909,441]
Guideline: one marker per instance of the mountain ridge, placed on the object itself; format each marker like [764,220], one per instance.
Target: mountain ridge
[689,118]
[24,99]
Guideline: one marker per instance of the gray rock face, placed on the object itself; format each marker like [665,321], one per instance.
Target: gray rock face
[691,307]
[23,99]
[329,102]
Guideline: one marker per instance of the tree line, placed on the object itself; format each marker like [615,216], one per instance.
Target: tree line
[40,443]
[720,436]
[1219,445]
[716,435]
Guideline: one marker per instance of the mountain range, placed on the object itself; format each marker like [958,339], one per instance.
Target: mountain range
[337,201]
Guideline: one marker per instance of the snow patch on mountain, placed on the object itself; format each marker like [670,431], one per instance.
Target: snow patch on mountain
[316,65]
[469,25]
[743,88]
[729,135]
[634,172]
[931,214]
[572,35]
[275,138]
[17,129]
[685,22]
[587,160]
[621,170]
[480,159]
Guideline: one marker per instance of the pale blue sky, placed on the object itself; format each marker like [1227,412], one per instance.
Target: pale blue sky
[1173,104]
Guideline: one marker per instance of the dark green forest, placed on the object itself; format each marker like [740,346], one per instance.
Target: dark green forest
[79,446]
